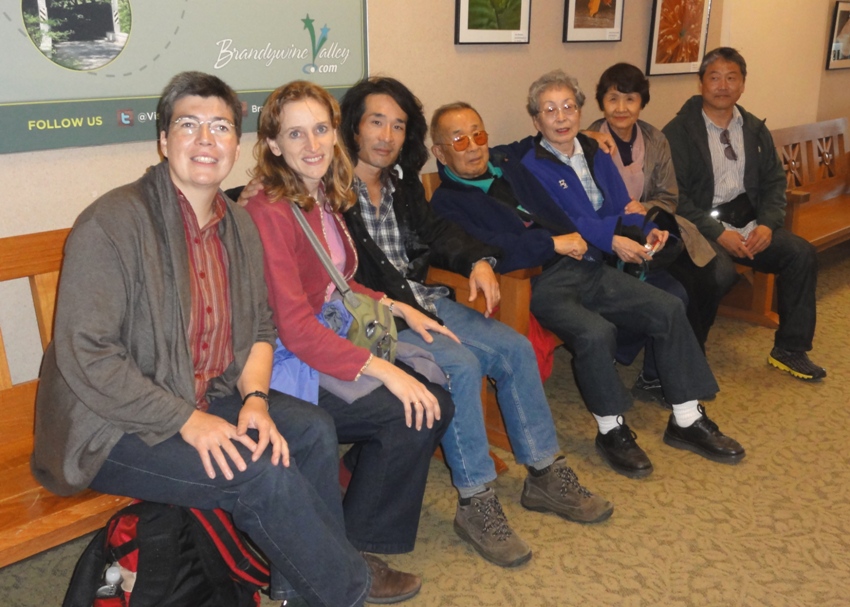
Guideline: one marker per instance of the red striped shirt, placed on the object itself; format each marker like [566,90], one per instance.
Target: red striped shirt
[209,322]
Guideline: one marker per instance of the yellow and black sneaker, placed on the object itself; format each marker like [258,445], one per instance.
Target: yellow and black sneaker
[796,363]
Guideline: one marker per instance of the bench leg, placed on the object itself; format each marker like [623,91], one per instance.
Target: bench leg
[752,300]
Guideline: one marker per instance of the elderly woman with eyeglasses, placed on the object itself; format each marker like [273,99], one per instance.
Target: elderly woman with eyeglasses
[584,182]
[645,164]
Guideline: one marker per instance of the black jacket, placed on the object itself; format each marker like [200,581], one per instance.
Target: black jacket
[764,178]
[428,240]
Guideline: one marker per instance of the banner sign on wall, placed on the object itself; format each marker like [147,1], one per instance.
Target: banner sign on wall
[90,72]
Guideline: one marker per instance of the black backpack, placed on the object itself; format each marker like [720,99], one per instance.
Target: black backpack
[181,558]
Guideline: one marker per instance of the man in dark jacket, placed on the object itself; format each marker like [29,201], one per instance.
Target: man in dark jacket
[732,186]
[398,237]
[582,300]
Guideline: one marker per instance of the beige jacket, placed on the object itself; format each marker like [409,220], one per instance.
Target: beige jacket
[660,189]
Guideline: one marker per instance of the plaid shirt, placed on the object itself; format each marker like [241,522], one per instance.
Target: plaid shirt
[209,320]
[384,230]
[578,164]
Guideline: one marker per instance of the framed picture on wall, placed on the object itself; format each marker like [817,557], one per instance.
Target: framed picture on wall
[838,51]
[492,21]
[678,35]
[593,20]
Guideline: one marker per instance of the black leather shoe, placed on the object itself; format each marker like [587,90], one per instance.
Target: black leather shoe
[704,438]
[621,451]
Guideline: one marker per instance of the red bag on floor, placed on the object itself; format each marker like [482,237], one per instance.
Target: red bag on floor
[155,555]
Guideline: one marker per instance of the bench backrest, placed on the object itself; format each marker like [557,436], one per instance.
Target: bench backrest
[31,518]
[430,181]
[813,152]
[38,258]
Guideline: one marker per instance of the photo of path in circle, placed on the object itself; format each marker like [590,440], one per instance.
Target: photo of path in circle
[79,35]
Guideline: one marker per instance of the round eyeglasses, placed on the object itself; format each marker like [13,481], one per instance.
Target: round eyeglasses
[551,110]
[189,125]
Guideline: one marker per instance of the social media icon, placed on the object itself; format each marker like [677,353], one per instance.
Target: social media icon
[125,118]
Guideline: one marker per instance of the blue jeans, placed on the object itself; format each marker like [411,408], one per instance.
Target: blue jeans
[293,514]
[489,348]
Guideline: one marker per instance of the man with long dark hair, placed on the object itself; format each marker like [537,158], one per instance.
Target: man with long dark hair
[398,238]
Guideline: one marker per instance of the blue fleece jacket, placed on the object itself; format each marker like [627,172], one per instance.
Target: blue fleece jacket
[492,222]
[564,186]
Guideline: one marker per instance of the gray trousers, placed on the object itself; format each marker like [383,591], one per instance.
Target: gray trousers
[586,303]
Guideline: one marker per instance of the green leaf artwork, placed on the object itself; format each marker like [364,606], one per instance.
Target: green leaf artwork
[494,14]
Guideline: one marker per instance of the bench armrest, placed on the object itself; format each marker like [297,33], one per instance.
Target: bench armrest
[515,288]
[522,274]
[797,196]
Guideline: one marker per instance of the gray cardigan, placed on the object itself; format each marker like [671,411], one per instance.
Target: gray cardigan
[120,361]
[660,188]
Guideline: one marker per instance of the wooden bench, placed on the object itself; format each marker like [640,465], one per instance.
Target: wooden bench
[816,160]
[817,166]
[31,518]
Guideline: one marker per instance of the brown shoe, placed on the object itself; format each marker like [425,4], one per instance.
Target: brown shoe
[389,585]
[557,490]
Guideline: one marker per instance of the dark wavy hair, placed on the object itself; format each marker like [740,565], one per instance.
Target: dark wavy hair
[625,78]
[279,180]
[726,53]
[195,84]
[414,153]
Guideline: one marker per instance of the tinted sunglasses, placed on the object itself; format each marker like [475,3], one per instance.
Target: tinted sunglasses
[461,142]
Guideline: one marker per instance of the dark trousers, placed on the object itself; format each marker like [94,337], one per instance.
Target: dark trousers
[389,463]
[630,344]
[705,286]
[795,263]
[293,514]
[586,304]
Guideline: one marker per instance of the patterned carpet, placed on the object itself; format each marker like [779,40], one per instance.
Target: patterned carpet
[772,531]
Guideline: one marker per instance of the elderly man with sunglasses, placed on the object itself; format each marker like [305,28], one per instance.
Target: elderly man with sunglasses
[732,186]
[398,237]
[585,302]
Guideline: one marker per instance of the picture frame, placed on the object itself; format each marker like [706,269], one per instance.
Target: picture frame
[838,49]
[669,51]
[492,22]
[593,20]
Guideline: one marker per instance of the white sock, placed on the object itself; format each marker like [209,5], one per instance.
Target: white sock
[607,423]
[687,413]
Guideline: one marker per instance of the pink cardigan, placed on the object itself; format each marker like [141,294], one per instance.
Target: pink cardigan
[297,283]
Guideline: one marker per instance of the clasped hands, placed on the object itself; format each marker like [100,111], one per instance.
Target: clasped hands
[738,246]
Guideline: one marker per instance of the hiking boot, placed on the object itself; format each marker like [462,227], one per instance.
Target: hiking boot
[703,437]
[482,524]
[389,585]
[650,390]
[556,489]
[620,450]
[797,364]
